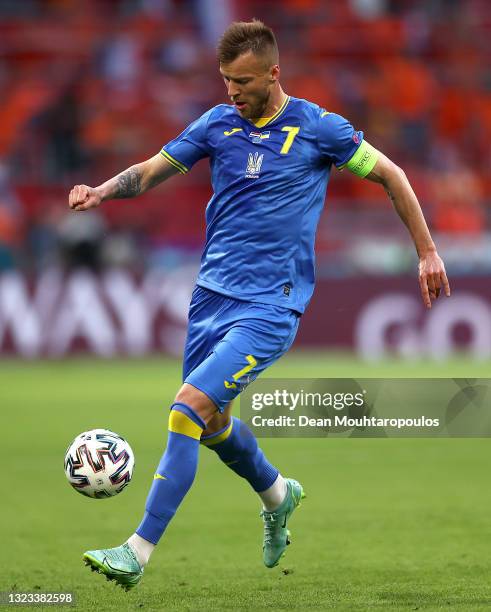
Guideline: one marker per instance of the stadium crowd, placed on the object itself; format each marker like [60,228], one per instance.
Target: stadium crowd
[89,88]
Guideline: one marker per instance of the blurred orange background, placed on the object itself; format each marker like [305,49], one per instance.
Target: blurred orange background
[90,87]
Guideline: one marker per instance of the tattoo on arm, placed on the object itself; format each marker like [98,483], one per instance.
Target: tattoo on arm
[377,178]
[128,183]
[391,197]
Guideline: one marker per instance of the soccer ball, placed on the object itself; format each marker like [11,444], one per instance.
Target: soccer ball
[99,463]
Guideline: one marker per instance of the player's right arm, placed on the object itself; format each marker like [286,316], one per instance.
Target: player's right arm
[128,184]
[178,155]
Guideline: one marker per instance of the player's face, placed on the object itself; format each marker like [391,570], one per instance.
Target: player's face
[249,83]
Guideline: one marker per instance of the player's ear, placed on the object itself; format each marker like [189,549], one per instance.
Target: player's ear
[274,73]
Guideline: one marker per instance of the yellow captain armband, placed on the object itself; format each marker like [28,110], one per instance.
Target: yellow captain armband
[363,160]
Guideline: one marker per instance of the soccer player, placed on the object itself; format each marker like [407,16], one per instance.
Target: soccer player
[271,157]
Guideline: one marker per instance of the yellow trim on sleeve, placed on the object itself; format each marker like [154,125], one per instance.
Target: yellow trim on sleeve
[363,160]
[325,113]
[220,438]
[180,423]
[260,123]
[174,162]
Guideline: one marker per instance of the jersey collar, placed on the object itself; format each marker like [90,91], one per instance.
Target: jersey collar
[264,121]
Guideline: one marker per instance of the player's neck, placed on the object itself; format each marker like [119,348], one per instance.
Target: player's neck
[277,99]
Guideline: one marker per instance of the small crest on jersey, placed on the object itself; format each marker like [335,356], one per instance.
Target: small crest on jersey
[356,138]
[254,163]
[258,136]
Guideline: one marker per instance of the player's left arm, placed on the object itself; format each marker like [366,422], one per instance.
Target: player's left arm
[432,275]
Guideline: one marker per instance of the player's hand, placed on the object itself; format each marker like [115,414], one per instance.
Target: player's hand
[432,277]
[83,197]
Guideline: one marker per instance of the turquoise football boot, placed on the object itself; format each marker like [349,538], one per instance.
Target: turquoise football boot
[276,533]
[119,564]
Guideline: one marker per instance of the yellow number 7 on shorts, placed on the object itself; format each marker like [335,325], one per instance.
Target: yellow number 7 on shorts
[252,362]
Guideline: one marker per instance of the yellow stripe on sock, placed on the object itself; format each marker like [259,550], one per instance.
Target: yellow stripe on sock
[180,423]
[220,438]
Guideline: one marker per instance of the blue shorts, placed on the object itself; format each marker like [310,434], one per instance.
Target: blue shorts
[231,341]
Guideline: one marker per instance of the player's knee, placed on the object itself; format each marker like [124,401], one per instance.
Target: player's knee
[197,400]
[216,424]
[190,395]
[219,421]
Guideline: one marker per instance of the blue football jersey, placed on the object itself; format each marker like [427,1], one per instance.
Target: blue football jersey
[269,184]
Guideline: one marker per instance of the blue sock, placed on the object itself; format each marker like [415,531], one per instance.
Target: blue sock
[175,473]
[237,447]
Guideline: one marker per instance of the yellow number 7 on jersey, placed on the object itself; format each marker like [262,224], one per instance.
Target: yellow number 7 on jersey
[292,132]
[252,362]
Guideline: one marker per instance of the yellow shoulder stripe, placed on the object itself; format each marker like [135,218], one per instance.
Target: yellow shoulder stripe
[174,162]
[325,113]
[220,438]
[180,423]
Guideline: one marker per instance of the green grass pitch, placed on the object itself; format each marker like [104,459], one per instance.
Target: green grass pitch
[388,524]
